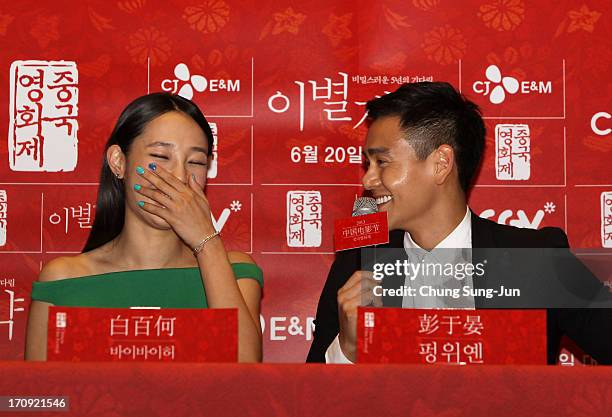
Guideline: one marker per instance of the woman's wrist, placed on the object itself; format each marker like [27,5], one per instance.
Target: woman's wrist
[211,247]
[198,247]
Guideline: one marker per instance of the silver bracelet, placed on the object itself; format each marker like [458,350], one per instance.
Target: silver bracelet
[200,245]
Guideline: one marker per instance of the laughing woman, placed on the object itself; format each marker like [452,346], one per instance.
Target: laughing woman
[153,242]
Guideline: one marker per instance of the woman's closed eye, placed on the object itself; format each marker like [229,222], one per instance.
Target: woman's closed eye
[203,163]
[158,156]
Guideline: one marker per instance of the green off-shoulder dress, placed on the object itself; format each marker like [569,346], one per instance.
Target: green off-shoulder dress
[165,288]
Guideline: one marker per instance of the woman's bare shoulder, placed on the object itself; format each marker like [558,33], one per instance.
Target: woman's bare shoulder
[66,267]
[240,258]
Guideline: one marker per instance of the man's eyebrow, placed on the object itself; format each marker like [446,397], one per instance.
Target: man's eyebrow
[376,151]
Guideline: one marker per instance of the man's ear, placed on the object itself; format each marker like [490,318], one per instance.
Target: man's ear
[444,160]
[116,160]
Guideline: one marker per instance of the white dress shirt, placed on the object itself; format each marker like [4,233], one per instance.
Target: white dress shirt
[460,237]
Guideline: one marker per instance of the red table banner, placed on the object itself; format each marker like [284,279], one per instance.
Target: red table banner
[119,334]
[455,337]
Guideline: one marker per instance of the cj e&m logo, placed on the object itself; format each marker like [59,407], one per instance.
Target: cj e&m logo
[185,83]
[599,125]
[496,86]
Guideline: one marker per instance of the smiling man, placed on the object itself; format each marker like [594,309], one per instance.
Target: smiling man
[423,148]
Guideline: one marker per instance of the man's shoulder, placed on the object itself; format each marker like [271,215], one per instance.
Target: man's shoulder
[512,236]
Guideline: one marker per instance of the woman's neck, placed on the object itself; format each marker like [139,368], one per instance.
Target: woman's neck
[140,246]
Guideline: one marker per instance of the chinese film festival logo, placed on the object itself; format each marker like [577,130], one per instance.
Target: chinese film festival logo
[304,219]
[43,112]
[214,163]
[512,152]
[606,219]
[3,216]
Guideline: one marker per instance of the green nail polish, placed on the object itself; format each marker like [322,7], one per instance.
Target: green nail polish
[140,170]
[137,187]
[141,203]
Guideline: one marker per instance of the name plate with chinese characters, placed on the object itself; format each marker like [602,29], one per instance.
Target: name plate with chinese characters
[142,334]
[361,231]
[452,337]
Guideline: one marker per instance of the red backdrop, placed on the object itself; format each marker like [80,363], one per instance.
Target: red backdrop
[285,83]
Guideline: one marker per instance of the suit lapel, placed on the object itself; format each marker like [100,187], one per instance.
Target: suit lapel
[482,233]
[396,239]
[483,241]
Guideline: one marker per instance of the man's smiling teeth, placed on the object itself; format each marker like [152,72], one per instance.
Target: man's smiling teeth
[383,199]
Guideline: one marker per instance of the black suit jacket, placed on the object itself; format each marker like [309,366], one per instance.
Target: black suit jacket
[591,329]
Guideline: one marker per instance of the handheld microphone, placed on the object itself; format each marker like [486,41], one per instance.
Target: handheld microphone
[364,205]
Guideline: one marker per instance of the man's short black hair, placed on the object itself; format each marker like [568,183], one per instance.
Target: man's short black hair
[433,114]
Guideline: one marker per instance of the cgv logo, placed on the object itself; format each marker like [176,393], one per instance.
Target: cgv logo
[521,219]
[184,84]
[235,207]
[596,125]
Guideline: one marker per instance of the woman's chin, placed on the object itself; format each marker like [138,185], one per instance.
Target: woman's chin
[157,222]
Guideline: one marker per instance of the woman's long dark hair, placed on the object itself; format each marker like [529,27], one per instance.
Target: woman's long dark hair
[110,206]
